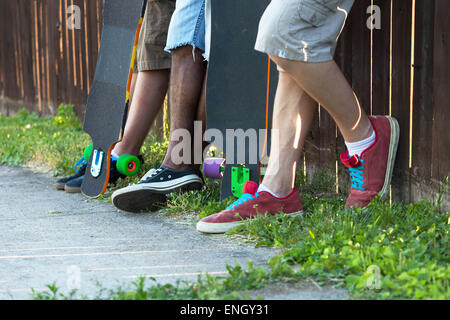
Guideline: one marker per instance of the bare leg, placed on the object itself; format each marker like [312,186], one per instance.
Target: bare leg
[328,86]
[186,86]
[292,117]
[201,116]
[147,98]
[133,85]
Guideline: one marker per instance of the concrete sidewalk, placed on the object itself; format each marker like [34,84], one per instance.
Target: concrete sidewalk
[50,236]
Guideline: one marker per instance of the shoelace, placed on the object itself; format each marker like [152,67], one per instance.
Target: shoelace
[150,174]
[246,197]
[357,176]
[80,164]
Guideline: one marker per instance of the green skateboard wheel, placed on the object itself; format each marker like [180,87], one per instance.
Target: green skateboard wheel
[128,165]
[87,152]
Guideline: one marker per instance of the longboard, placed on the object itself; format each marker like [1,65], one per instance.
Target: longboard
[241,83]
[106,108]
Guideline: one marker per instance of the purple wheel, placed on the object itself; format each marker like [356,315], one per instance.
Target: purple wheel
[214,167]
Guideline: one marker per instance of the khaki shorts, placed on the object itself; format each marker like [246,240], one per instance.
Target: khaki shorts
[302,30]
[153,37]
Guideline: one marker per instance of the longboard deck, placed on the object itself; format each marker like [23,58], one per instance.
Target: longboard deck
[238,78]
[105,107]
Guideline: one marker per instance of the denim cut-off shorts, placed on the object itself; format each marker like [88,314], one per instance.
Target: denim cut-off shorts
[188,26]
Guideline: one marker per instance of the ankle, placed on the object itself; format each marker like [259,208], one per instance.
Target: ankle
[363,131]
[357,148]
[276,189]
[120,150]
[171,165]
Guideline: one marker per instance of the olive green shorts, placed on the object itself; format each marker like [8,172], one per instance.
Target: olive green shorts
[153,37]
[302,30]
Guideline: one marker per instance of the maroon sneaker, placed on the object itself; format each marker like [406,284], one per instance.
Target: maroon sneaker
[371,173]
[249,206]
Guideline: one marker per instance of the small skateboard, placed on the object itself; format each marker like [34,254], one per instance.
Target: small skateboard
[107,105]
[241,85]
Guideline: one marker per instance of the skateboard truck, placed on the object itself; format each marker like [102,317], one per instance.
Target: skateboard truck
[215,167]
[97,160]
[239,176]
[126,164]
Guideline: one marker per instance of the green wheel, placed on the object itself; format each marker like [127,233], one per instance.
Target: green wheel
[128,165]
[88,152]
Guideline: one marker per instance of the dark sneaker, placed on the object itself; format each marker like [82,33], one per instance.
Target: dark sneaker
[149,194]
[61,183]
[372,172]
[74,185]
[248,206]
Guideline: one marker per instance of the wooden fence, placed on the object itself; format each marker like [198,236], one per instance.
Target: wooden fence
[401,69]
[43,62]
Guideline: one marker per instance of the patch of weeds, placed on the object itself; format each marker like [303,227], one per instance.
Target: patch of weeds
[407,244]
[53,293]
[206,287]
[443,193]
[58,142]
[318,183]
[52,142]
[204,202]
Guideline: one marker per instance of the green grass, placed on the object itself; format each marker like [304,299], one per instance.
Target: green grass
[53,143]
[407,244]
[57,143]
[398,251]
[205,288]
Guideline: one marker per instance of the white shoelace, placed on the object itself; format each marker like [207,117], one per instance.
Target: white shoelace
[151,173]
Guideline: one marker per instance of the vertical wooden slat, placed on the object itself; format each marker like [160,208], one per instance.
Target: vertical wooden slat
[361,53]
[81,48]
[344,60]
[312,149]
[92,36]
[381,61]
[401,77]
[27,59]
[2,67]
[42,57]
[54,52]
[11,74]
[60,79]
[68,55]
[86,45]
[441,83]
[18,55]
[423,91]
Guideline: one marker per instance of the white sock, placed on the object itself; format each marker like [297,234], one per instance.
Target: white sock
[264,188]
[360,146]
